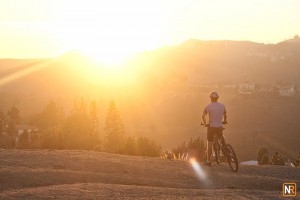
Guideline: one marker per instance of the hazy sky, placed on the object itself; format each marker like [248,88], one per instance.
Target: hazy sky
[111,29]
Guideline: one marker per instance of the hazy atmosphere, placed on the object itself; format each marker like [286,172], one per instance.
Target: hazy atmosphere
[92,92]
[33,28]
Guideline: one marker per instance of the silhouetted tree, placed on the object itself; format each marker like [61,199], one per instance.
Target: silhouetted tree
[76,129]
[114,130]
[77,132]
[94,118]
[52,138]
[14,114]
[14,119]
[51,116]
[2,122]
[49,122]
[79,107]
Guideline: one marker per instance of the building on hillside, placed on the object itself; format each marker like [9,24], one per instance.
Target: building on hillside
[286,91]
[24,128]
[246,88]
[267,89]
[230,86]
[21,128]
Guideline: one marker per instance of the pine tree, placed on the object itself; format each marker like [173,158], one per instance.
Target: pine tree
[114,130]
[94,118]
[79,107]
[14,117]
[2,122]
[76,131]
[51,116]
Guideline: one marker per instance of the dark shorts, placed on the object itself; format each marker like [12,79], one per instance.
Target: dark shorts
[211,132]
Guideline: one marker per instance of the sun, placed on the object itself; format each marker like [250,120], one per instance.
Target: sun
[109,31]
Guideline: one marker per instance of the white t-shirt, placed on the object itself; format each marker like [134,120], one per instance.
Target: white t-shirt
[215,111]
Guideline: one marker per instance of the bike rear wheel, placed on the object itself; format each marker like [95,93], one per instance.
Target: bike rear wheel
[232,158]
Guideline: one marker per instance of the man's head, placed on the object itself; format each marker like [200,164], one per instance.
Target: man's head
[214,96]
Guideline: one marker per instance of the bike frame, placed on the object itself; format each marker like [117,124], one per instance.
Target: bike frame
[220,144]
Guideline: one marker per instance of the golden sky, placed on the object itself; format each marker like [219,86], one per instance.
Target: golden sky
[117,28]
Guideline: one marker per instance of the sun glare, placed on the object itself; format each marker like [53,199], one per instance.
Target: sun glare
[198,169]
[109,31]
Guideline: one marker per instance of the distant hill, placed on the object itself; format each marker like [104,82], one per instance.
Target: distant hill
[196,60]
[238,61]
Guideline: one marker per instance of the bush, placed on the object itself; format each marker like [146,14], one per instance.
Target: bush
[130,147]
[194,149]
[98,147]
[6,141]
[142,146]
[148,147]
[52,138]
[263,156]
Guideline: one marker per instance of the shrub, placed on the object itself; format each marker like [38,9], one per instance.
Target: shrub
[148,147]
[194,149]
[263,156]
[142,146]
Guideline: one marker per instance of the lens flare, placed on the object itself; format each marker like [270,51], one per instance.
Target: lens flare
[198,170]
[201,175]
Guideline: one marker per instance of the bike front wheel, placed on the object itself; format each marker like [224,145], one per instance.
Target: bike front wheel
[232,158]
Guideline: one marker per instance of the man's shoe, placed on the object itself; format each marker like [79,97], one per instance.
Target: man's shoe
[207,164]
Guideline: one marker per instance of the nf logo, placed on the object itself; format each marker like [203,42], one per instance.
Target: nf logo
[289,189]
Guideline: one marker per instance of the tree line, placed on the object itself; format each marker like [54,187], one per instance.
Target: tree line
[77,130]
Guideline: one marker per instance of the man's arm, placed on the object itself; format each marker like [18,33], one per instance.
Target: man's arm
[204,118]
[225,117]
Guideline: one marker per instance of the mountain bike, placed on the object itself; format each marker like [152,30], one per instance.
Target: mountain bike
[224,150]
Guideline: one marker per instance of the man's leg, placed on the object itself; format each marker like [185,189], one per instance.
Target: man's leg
[209,151]
[210,139]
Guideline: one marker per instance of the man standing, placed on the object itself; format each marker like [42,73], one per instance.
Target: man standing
[216,111]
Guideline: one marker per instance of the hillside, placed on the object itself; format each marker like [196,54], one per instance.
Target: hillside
[237,61]
[45,174]
[163,103]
